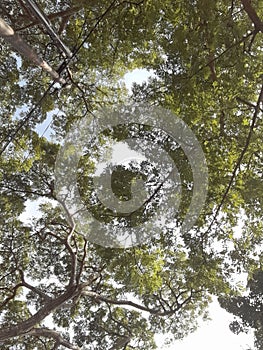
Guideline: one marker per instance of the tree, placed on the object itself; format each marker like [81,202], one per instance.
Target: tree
[207,60]
[18,43]
[248,309]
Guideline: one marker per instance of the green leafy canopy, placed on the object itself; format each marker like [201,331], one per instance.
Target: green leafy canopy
[57,289]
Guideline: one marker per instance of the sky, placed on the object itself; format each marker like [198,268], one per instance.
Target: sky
[137,75]
[214,334]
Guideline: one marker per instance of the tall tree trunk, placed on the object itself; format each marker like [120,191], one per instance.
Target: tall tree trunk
[25,50]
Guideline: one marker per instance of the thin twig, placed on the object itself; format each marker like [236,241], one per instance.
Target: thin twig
[239,161]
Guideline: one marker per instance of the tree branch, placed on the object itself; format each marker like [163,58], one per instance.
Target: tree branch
[252,15]
[41,17]
[25,50]
[27,325]
[24,191]
[156,312]
[121,343]
[12,296]
[48,333]
[34,289]
[239,161]
[249,104]
[61,14]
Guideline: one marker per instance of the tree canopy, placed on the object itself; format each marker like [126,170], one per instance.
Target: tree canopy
[248,309]
[59,289]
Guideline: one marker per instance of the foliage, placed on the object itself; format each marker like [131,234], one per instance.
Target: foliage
[248,309]
[207,63]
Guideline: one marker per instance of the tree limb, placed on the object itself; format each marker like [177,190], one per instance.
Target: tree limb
[74,260]
[252,15]
[156,312]
[26,326]
[252,105]
[239,161]
[25,50]
[12,296]
[48,333]
[61,14]
[42,18]
[121,343]
[34,289]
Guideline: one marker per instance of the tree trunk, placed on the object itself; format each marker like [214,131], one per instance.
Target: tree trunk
[25,50]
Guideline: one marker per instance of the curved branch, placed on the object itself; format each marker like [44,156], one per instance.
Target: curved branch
[156,312]
[74,260]
[48,333]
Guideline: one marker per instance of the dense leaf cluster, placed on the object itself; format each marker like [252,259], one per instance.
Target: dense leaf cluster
[57,289]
